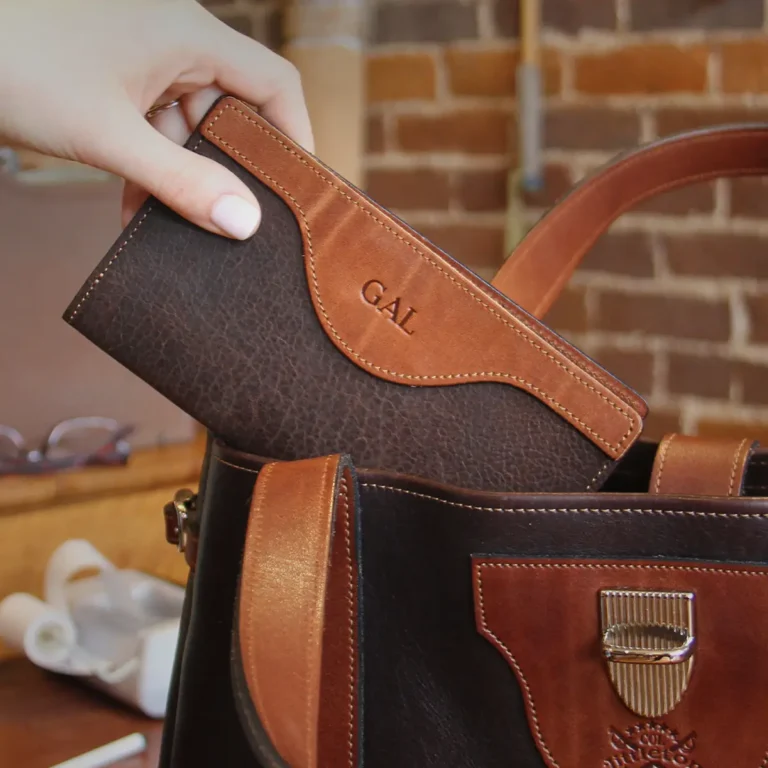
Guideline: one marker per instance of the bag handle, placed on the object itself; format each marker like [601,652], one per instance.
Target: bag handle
[686,465]
[537,270]
[300,520]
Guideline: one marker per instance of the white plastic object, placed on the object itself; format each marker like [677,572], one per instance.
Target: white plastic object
[117,629]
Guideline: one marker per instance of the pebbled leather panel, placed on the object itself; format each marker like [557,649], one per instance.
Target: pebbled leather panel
[227,331]
[406,312]
[543,617]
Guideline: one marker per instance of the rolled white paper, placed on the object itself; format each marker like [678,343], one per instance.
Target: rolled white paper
[45,635]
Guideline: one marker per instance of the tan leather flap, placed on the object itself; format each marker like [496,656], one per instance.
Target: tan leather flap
[406,312]
[700,466]
[297,610]
[544,617]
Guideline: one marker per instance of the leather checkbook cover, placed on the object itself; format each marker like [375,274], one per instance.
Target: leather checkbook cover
[337,328]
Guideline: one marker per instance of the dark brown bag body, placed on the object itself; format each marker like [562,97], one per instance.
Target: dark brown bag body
[460,628]
[337,328]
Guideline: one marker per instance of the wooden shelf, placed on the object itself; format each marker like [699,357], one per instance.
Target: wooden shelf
[119,510]
[146,470]
[46,719]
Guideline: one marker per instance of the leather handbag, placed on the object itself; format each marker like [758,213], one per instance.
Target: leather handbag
[338,617]
[374,580]
[339,329]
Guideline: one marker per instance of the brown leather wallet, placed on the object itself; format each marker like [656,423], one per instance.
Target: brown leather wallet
[338,328]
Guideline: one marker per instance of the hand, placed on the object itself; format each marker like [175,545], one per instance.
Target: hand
[77,78]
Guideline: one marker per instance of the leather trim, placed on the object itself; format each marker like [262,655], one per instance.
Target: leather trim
[701,466]
[439,326]
[339,696]
[543,617]
[537,270]
[282,602]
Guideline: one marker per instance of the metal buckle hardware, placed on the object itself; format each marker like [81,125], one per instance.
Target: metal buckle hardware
[648,640]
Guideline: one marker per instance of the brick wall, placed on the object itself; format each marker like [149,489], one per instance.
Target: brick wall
[675,298]
[260,19]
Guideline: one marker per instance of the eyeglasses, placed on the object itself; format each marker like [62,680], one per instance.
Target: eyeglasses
[79,442]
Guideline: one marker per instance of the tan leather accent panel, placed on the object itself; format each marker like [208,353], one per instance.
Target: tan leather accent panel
[700,466]
[408,313]
[537,270]
[282,600]
[339,692]
[543,616]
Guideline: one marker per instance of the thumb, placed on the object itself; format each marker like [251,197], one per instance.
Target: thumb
[195,187]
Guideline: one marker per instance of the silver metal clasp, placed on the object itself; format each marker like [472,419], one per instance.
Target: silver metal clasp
[648,642]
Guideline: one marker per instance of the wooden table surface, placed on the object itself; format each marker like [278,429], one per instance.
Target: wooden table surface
[46,719]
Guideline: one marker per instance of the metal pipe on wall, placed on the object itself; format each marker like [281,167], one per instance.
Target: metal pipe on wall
[325,40]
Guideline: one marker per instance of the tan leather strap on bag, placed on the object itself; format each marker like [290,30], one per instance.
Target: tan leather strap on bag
[700,466]
[537,270]
[285,590]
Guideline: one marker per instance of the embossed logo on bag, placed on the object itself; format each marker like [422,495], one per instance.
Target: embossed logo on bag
[651,745]
[377,295]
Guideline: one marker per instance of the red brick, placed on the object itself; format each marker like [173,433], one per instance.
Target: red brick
[483,190]
[754,383]
[569,312]
[596,128]
[477,131]
[440,21]
[400,77]
[477,247]
[745,66]
[556,184]
[567,16]
[755,430]
[655,315]
[636,69]
[758,317]
[678,120]
[574,15]
[661,422]
[489,72]
[375,139]
[416,189]
[650,15]
[633,368]
[621,253]
[702,376]
[714,255]
[749,197]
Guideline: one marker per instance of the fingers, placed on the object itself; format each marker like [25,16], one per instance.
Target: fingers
[197,188]
[255,74]
[177,125]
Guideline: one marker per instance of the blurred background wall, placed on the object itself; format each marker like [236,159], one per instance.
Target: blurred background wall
[675,298]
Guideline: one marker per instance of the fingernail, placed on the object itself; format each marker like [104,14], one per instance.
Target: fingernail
[236,216]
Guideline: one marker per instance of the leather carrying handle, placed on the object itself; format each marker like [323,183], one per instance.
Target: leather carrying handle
[537,270]
[283,597]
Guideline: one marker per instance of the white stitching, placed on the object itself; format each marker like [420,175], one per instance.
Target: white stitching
[566,510]
[351,623]
[479,567]
[522,382]
[96,280]
[739,450]
[627,567]
[662,461]
[247,650]
[518,669]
